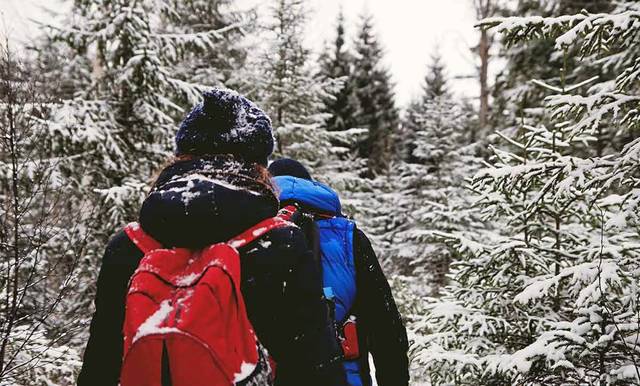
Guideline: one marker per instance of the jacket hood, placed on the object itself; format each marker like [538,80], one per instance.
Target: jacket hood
[310,194]
[204,201]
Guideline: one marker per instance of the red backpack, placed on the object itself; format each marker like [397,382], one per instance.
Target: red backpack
[185,322]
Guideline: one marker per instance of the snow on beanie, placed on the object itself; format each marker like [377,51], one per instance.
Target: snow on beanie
[226,122]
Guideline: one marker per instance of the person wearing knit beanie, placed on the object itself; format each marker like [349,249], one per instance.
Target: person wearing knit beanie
[359,293]
[226,122]
[215,189]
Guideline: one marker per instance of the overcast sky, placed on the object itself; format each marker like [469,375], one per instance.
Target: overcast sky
[410,30]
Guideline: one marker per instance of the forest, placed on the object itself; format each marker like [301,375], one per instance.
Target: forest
[508,223]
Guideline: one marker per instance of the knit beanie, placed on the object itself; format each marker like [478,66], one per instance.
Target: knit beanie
[226,122]
[289,167]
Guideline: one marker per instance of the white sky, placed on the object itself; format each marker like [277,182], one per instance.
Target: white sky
[409,30]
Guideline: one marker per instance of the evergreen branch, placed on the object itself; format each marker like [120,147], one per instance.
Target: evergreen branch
[631,353]
[204,36]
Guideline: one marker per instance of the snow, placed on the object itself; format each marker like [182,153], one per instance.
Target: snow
[448,310]
[593,274]
[372,367]
[152,324]
[265,243]
[496,250]
[134,226]
[245,370]
[627,372]
[187,280]
[237,243]
[187,186]
[258,231]
[612,199]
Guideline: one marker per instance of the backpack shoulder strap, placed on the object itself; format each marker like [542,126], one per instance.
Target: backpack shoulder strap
[288,212]
[140,238]
[307,222]
[359,266]
[283,219]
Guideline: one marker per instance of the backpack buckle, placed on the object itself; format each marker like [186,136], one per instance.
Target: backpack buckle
[287,212]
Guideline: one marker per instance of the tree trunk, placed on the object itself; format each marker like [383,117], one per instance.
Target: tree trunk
[485,44]
[483,9]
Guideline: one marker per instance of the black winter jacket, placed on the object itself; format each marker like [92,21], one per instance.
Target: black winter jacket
[380,328]
[201,202]
[381,331]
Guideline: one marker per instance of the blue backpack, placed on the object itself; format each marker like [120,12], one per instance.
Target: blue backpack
[335,237]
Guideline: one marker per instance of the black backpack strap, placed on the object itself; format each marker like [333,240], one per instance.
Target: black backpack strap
[307,222]
[357,266]
[283,219]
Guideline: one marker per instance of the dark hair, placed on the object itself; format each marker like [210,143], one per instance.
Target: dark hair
[258,172]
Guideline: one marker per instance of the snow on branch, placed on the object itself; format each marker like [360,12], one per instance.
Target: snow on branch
[566,29]
[584,273]
[204,40]
[591,110]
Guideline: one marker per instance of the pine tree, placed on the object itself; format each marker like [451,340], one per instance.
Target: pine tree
[515,96]
[288,89]
[550,296]
[435,183]
[410,124]
[373,89]
[114,128]
[126,110]
[435,82]
[435,85]
[290,93]
[337,63]
[224,65]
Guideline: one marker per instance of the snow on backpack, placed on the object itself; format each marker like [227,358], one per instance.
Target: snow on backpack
[186,322]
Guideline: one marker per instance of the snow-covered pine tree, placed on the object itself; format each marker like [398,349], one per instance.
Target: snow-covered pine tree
[336,62]
[374,90]
[434,85]
[401,210]
[296,98]
[405,137]
[432,183]
[125,111]
[552,298]
[122,119]
[224,65]
[435,185]
[514,95]
[435,81]
[288,89]
[116,129]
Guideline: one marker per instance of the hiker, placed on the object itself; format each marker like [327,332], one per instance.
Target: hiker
[215,189]
[363,306]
